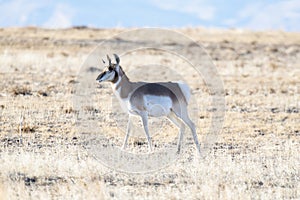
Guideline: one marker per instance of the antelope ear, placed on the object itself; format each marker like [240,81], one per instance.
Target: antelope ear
[117,59]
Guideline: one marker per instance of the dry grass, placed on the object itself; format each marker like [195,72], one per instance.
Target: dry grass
[21,91]
[256,155]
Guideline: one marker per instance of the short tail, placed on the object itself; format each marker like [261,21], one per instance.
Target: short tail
[186,91]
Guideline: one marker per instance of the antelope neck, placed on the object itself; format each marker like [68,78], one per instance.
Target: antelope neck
[122,86]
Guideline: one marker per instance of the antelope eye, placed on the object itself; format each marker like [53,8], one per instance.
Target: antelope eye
[110,68]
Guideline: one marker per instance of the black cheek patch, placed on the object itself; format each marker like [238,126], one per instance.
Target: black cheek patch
[115,78]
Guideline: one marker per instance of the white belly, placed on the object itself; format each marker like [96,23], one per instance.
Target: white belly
[157,106]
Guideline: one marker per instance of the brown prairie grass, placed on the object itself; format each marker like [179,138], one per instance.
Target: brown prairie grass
[255,156]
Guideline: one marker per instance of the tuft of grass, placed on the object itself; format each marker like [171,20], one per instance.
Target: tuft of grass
[28,129]
[70,110]
[21,90]
[42,93]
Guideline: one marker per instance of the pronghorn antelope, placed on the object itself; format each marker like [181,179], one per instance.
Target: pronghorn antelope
[168,99]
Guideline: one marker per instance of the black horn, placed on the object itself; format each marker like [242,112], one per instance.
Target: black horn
[117,58]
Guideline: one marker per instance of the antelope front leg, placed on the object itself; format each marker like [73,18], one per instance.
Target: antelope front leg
[144,116]
[129,124]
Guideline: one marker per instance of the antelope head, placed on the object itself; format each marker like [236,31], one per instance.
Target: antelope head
[112,72]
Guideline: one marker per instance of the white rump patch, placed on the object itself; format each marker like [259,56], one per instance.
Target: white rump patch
[185,90]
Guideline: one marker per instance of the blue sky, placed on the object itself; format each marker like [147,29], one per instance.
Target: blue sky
[253,15]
